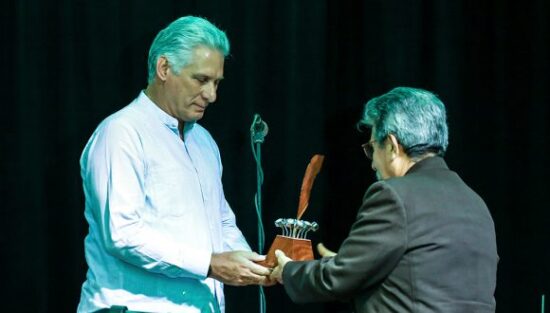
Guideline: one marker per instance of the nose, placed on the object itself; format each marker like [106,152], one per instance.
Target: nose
[209,92]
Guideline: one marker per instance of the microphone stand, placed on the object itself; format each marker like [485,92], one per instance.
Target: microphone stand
[258,131]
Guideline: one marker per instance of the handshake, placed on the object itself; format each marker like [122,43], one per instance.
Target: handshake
[240,268]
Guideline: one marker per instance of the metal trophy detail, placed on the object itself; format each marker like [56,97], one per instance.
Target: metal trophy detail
[293,241]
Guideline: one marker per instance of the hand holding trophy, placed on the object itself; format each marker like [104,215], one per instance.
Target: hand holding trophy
[293,241]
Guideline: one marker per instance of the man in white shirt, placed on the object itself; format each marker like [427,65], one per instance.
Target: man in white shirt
[162,237]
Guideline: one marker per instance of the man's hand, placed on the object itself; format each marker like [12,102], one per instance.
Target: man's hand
[277,273]
[324,252]
[237,268]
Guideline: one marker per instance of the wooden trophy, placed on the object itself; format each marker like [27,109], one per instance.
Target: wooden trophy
[293,240]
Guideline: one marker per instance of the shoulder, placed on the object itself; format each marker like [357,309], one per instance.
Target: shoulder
[127,120]
[115,128]
[382,194]
[382,189]
[401,184]
[383,208]
[421,181]
[118,131]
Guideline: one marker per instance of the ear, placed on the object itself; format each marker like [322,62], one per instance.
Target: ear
[162,68]
[396,149]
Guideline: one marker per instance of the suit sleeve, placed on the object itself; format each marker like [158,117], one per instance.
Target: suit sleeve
[375,244]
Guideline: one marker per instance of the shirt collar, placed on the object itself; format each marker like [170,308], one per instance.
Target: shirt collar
[151,108]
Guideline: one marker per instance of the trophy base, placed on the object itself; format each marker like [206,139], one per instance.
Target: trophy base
[295,248]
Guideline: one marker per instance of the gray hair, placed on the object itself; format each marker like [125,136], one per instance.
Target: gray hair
[415,117]
[177,41]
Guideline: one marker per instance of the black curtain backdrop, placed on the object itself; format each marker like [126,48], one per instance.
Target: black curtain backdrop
[307,67]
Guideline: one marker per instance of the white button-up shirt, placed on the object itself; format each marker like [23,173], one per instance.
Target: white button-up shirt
[156,212]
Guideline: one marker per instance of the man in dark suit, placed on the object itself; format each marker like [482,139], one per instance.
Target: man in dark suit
[423,241]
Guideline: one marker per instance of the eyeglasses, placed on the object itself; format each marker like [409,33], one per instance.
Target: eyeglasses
[368,148]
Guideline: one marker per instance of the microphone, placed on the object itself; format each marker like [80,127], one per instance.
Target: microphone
[258,129]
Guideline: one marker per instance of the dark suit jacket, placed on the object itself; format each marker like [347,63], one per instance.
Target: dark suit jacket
[424,242]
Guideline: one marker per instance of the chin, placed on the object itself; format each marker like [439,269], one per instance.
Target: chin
[194,118]
[198,116]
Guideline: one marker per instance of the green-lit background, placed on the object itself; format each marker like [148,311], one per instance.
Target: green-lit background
[307,67]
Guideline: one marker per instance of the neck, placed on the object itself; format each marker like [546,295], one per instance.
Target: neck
[153,92]
[408,162]
[422,157]
[403,165]
[181,126]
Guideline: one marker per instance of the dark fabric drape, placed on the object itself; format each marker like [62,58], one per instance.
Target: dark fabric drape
[307,67]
